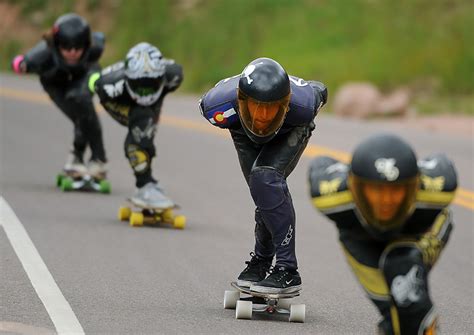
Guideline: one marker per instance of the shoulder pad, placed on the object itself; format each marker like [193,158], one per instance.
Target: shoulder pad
[438,181]
[116,69]
[174,74]
[328,185]
[302,103]
[36,57]
[320,91]
[97,46]
[111,83]
[219,104]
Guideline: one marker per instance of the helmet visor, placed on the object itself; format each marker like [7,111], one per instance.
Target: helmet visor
[75,42]
[384,206]
[262,118]
[145,86]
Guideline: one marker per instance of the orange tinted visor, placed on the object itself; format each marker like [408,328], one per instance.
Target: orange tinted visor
[262,118]
[384,206]
[384,199]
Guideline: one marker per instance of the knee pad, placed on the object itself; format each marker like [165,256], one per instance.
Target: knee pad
[139,159]
[407,278]
[406,274]
[268,187]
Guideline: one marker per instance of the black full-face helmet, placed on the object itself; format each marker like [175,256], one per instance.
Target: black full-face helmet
[145,73]
[71,31]
[263,97]
[383,179]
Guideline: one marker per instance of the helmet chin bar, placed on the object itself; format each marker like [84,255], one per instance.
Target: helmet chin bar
[146,100]
[259,139]
[381,235]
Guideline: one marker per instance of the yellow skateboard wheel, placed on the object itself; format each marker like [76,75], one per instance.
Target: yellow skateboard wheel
[167,215]
[124,213]
[136,219]
[179,222]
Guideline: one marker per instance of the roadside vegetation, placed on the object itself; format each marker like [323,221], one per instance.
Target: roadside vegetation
[424,45]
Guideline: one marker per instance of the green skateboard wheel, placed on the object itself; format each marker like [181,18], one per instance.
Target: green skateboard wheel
[66,184]
[59,179]
[104,186]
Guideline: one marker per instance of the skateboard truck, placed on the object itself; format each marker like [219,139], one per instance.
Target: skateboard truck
[84,182]
[270,303]
[150,215]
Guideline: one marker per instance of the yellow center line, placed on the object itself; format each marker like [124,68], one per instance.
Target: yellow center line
[464,198]
[463,202]
[467,194]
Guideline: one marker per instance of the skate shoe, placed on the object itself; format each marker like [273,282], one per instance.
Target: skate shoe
[280,280]
[97,169]
[255,271]
[151,195]
[74,166]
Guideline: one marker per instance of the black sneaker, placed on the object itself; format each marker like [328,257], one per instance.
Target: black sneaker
[280,280]
[255,271]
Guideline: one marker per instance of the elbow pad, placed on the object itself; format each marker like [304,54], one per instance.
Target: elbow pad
[320,90]
[92,80]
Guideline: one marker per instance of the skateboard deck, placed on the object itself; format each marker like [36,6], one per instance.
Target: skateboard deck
[138,215]
[269,303]
[82,182]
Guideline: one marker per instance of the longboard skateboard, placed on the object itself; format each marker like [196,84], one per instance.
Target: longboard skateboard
[82,182]
[138,215]
[262,303]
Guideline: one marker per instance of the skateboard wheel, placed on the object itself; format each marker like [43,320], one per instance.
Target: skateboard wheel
[179,222]
[104,186]
[167,215]
[124,213]
[66,184]
[230,299]
[284,303]
[136,219]
[297,313]
[59,178]
[243,309]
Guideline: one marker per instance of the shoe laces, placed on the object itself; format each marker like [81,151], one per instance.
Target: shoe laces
[255,261]
[278,273]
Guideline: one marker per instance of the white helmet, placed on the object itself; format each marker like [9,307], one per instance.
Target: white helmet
[145,73]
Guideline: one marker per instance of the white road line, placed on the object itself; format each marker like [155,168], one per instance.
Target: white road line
[43,282]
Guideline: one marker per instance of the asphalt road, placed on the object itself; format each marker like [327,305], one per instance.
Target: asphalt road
[114,279]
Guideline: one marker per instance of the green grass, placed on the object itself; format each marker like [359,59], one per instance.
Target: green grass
[454,104]
[389,43]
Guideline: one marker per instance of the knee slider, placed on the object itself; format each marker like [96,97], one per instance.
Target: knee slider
[406,275]
[268,187]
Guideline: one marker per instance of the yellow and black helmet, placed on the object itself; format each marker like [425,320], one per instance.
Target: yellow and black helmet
[383,180]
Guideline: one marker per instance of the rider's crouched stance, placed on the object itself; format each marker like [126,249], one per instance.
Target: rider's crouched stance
[132,92]
[393,222]
[63,59]
[270,118]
